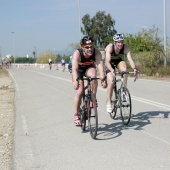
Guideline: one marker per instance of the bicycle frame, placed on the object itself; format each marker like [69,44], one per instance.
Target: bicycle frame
[121,79]
[123,98]
[88,110]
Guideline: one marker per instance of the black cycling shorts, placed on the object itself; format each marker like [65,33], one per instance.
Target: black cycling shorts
[114,63]
[83,70]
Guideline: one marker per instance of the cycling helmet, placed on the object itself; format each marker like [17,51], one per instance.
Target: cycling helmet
[87,40]
[118,37]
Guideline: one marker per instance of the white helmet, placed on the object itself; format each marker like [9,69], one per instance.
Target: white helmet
[70,57]
[118,37]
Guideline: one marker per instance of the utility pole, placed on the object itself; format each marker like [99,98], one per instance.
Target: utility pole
[13,46]
[165,41]
[79,17]
[0,55]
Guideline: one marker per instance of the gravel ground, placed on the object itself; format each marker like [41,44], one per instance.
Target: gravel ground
[6,119]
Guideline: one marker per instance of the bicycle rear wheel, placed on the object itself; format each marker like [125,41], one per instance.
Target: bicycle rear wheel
[92,116]
[126,105]
[83,113]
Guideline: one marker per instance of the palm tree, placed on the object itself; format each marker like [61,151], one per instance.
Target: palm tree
[34,53]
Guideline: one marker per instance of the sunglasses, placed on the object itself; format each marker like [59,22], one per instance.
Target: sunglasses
[87,47]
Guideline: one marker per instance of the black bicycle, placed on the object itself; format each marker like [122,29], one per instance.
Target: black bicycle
[88,107]
[122,100]
[70,67]
[50,65]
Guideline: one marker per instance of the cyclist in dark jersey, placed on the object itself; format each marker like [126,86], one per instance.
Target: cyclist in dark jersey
[84,62]
[115,54]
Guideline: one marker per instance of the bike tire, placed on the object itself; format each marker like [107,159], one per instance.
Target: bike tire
[116,103]
[126,106]
[116,106]
[92,116]
[83,113]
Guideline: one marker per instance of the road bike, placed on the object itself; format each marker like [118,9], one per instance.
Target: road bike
[88,108]
[50,65]
[122,100]
[63,67]
[70,67]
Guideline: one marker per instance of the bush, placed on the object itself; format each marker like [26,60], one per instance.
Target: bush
[151,64]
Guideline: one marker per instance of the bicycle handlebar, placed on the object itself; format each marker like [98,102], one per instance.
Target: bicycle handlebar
[126,72]
[87,78]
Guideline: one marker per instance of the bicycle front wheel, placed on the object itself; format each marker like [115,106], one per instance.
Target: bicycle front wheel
[83,113]
[116,107]
[126,105]
[92,116]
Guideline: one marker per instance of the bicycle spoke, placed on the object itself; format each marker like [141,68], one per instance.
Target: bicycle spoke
[126,106]
[83,112]
[92,117]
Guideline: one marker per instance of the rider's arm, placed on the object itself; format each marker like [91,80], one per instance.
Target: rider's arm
[129,57]
[75,61]
[100,64]
[108,50]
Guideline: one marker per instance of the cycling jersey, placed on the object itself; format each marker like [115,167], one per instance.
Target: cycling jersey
[50,61]
[85,63]
[63,62]
[116,58]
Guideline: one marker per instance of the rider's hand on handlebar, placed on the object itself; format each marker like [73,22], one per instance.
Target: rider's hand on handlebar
[76,85]
[135,72]
[104,82]
[113,72]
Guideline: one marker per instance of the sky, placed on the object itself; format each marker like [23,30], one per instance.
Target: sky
[43,25]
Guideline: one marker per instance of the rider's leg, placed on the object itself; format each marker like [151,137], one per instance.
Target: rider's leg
[110,84]
[123,67]
[91,72]
[77,102]
[77,97]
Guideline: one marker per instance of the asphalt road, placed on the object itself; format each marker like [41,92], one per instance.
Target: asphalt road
[47,139]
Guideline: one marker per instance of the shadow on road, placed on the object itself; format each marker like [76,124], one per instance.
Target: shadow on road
[144,118]
[138,121]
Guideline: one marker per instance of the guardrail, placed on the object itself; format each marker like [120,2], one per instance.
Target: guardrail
[41,66]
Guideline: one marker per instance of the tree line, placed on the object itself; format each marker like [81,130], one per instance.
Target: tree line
[146,46]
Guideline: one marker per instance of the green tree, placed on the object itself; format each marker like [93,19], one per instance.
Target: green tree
[147,49]
[43,58]
[24,60]
[73,46]
[101,27]
[146,40]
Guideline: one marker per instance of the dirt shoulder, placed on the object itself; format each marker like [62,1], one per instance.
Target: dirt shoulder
[6,119]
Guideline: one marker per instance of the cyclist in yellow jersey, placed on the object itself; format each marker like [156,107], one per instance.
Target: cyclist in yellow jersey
[84,62]
[115,52]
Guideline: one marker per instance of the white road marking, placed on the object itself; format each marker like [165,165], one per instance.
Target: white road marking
[164,106]
[150,102]
[153,136]
[15,82]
